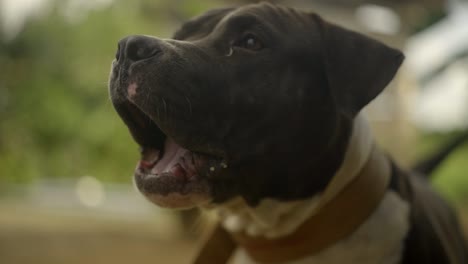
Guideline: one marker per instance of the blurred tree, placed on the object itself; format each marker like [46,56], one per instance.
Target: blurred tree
[56,120]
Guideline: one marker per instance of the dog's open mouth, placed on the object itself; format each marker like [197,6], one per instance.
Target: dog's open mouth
[167,174]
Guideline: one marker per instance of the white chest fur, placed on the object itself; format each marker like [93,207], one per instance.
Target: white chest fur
[378,240]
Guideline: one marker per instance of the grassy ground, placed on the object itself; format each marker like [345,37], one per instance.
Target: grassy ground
[38,237]
[38,246]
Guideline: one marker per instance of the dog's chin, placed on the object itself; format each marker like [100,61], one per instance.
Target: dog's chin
[199,196]
[172,190]
[179,201]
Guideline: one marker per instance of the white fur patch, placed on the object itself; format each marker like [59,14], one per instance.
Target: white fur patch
[270,218]
[378,240]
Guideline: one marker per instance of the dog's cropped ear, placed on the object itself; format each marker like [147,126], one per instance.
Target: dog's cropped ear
[358,68]
[201,25]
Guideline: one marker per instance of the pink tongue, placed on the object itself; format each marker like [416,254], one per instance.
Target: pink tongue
[173,155]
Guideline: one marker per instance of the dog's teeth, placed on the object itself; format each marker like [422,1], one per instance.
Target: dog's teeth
[212,168]
[150,155]
[178,171]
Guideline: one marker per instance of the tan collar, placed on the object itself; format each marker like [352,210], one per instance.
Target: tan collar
[337,218]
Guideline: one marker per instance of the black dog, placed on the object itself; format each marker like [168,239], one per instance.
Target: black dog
[255,111]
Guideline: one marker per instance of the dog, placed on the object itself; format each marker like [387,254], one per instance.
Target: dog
[255,112]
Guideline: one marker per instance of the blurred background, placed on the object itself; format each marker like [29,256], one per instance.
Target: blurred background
[66,159]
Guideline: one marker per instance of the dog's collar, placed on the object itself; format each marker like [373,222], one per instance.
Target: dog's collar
[335,220]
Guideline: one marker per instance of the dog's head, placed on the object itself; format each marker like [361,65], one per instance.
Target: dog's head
[256,101]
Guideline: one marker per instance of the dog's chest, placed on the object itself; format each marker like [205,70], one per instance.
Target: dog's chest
[378,240]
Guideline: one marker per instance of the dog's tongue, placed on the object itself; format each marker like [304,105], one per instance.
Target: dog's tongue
[175,160]
[173,154]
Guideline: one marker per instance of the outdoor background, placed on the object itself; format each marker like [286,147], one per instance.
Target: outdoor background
[66,159]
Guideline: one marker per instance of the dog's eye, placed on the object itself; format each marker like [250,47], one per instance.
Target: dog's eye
[250,42]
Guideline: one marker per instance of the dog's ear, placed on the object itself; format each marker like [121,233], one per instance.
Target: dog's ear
[201,25]
[358,68]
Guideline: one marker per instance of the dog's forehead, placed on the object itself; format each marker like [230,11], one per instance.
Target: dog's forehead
[278,17]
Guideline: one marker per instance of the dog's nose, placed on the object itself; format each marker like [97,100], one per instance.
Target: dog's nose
[136,48]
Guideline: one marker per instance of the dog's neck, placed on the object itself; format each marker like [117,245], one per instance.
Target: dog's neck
[273,218]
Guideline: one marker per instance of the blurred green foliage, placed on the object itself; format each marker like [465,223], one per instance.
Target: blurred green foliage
[451,177]
[56,118]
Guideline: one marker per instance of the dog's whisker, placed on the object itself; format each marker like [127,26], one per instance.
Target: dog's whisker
[231,51]
[157,111]
[148,98]
[189,105]
[165,108]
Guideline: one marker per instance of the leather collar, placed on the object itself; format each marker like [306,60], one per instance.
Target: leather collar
[335,220]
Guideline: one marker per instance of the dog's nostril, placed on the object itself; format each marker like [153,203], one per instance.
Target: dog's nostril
[140,48]
[135,48]
[140,53]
